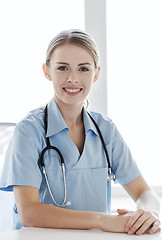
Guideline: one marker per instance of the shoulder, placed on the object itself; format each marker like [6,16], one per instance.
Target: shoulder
[102,120]
[105,124]
[32,123]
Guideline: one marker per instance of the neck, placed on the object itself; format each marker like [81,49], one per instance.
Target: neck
[72,114]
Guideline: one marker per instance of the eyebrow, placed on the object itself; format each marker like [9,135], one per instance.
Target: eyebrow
[62,63]
[86,63]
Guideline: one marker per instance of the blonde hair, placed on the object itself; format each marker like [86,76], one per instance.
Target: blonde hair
[77,37]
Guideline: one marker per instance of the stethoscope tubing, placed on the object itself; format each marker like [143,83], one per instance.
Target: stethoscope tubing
[110,177]
[49,148]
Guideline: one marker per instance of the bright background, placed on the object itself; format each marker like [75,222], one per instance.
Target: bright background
[131,69]
[134,55]
[27,27]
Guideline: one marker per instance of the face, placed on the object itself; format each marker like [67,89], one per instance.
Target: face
[72,72]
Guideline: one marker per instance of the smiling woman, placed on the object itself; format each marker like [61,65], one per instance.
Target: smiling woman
[62,158]
[74,76]
[75,48]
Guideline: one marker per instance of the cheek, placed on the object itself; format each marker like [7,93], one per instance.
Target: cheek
[87,75]
[89,79]
[58,79]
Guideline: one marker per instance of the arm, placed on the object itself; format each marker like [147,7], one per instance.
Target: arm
[35,214]
[146,218]
[143,195]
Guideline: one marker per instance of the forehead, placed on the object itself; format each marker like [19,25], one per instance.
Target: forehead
[71,52]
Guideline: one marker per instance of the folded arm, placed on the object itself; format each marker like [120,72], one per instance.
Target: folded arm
[35,214]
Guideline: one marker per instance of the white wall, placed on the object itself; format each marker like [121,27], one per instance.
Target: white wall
[95,25]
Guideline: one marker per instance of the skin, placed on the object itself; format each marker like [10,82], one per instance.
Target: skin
[72,73]
[72,67]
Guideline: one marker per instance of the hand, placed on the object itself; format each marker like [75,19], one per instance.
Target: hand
[141,222]
[114,223]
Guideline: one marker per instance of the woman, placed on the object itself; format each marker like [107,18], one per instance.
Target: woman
[81,199]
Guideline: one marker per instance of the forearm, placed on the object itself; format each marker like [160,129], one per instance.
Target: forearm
[149,201]
[48,216]
[35,214]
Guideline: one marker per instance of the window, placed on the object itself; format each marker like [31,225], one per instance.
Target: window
[28,27]
[134,53]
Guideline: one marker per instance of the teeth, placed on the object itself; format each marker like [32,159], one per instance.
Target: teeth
[72,90]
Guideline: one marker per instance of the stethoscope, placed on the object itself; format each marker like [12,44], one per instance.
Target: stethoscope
[110,176]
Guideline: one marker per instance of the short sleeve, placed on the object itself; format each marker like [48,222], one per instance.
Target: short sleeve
[21,163]
[123,164]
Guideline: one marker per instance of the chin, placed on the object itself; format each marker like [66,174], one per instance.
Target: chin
[69,101]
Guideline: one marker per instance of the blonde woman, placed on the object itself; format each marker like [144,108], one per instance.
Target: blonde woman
[65,186]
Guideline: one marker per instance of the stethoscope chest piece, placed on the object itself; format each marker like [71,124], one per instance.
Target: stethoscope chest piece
[110,176]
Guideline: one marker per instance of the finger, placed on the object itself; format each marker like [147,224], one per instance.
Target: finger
[147,231]
[152,225]
[159,229]
[146,225]
[141,225]
[133,219]
[122,211]
[155,228]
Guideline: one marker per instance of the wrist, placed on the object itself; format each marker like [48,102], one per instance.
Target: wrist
[99,220]
[106,222]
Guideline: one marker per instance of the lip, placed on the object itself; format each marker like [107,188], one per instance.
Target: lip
[72,92]
[72,87]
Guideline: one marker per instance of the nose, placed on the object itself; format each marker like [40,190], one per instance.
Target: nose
[72,77]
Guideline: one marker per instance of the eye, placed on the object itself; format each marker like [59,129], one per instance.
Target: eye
[84,69]
[63,68]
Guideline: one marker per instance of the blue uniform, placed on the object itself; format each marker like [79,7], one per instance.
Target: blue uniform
[86,173]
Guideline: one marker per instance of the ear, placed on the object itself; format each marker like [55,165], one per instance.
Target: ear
[46,71]
[96,75]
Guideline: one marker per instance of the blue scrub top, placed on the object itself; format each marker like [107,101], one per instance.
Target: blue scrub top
[86,174]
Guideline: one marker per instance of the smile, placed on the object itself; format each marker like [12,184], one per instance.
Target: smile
[72,90]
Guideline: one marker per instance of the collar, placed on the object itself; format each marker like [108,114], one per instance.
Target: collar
[56,122]
[88,124]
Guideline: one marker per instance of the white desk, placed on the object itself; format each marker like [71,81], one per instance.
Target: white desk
[63,234]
